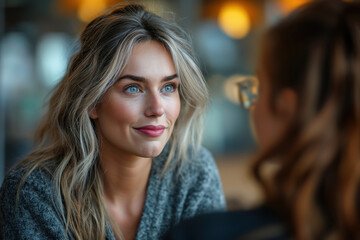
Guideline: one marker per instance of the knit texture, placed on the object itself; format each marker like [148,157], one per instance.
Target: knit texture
[169,200]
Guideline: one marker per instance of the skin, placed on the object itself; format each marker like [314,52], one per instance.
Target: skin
[270,126]
[145,94]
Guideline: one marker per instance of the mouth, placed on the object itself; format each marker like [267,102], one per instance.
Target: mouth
[151,130]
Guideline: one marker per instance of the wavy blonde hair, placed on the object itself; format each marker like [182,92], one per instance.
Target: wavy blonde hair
[68,147]
[316,184]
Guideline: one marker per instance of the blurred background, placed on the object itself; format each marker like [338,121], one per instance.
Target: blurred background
[39,36]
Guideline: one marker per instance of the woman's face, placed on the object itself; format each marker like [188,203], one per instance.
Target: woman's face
[137,115]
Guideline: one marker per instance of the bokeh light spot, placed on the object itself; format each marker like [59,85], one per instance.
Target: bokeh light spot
[89,9]
[234,20]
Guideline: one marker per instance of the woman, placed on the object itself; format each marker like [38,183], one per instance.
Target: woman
[307,120]
[118,153]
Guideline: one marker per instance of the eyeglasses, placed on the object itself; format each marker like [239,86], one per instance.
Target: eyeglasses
[248,89]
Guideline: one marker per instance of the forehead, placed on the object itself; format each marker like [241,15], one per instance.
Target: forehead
[150,58]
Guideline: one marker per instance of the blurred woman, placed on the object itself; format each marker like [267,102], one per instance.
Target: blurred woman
[118,152]
[307,121]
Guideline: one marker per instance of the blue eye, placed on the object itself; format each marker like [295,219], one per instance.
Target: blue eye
[132,89]
[168,88]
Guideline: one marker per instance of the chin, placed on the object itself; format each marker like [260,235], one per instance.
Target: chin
[149,155]
[150,152]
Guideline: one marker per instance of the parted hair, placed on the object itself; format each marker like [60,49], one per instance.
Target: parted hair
[315,182]
[66,142]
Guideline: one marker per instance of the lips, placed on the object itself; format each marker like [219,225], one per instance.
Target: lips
[151,130]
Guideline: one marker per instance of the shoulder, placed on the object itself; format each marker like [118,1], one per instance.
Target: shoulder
[200,164]
[197,163]
[28,208]
[199,180]
[257,223]
[38,179]
[200,174]
[25,189]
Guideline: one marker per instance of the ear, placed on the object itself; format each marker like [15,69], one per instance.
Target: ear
[93,113]
[286,104]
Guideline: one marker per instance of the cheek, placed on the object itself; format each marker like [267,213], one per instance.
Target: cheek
[263,124]
[256,121]
[173,109]
[119,110]
[268,127]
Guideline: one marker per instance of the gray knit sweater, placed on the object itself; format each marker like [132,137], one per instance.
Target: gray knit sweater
[169,200]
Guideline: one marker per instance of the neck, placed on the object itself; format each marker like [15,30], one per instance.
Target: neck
[125,177]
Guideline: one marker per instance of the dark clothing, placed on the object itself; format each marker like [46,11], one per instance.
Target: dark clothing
[258,223]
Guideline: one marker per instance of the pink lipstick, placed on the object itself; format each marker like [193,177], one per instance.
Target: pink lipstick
[151,130]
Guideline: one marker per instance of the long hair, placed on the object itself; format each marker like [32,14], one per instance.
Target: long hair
[68,147]
[315,182]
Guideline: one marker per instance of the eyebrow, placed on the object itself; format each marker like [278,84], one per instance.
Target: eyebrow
[142,79]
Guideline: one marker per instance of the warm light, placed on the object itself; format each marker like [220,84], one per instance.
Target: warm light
[234,20]
[89,9]
[231,87]
[288,6]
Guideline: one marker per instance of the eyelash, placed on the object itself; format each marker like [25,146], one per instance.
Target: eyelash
[132,86]
[173,85]
[127,88]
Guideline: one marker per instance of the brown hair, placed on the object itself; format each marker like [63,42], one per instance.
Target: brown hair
[316,52]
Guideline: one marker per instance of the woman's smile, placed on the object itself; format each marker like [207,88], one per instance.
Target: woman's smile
[151,130]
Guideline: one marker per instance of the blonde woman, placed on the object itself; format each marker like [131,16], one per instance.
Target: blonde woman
[118,154]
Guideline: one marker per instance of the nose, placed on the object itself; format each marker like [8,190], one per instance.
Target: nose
[154,105]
